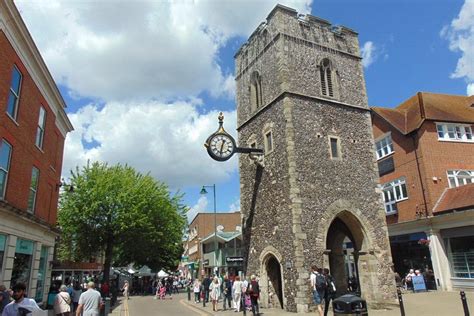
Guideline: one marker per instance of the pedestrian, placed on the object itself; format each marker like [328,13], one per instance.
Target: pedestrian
[20,305]
[62,302]
[408,279]
[237,289]
[331,290]
[197,291]
[125,289]
[105,289]
[206,283]
[227,292]
[89,302]
[76,294]
[4,297]
[318,285]
[215,292]
[253,290]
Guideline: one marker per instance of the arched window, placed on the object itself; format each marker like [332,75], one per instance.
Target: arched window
[327,78]
[255,91]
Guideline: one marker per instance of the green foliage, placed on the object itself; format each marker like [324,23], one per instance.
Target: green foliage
[116,211]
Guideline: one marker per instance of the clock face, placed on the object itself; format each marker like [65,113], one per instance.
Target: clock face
[221,147]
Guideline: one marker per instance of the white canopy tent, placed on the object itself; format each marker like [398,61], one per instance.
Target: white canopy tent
[162,274]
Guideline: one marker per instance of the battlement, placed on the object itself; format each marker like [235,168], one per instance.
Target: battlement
[304,28]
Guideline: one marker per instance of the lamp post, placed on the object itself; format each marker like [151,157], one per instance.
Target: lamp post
[203,191]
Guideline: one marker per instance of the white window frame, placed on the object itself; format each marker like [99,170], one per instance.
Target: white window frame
[40,129]
[15,93]
[384,146]
[33,190]
[4,142]
[454,132]
[392,193]
[457,178]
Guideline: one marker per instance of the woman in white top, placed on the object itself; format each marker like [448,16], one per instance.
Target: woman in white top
[197,291]
[215,292]
[125,289]
[62,302]
[237,290]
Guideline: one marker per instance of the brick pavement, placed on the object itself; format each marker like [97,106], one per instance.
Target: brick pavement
[419,304]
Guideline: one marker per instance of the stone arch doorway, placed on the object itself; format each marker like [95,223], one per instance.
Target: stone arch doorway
[272,293]
[275,285]
[344,243]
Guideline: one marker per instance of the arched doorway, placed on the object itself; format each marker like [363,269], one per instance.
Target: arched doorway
[344,242]
[275,285]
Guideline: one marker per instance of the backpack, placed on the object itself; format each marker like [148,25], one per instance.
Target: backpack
[321,284]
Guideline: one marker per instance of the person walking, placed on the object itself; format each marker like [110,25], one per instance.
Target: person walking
[62,302]
[20,305]
[215,292]
[253,290]
[125,289]
[227,292]
[318,285]
[237,289]
[330,294]
[76,294]
[197,291]
[206,282]
[89,302]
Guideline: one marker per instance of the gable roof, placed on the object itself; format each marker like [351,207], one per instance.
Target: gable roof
[411,114]
[455,199]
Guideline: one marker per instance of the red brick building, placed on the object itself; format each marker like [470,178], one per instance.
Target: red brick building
[202,228]
[33,127]
[425,153]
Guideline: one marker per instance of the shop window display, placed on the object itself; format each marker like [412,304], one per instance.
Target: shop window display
[23,262]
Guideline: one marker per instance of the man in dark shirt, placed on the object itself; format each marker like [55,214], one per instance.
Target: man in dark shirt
[206,283]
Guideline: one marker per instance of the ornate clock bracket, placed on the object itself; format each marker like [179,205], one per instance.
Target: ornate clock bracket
[223,140]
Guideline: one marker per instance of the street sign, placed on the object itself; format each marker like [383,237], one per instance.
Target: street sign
[205,262]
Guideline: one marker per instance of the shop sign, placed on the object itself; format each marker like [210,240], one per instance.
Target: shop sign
[184,258]
[3,240]
[205,262]
[24,246]
[234,259]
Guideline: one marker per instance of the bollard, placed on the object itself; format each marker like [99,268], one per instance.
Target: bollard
[464,303]
[189,293]
[204,299]
[242,301]
[400,301]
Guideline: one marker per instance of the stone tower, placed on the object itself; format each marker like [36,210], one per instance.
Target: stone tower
[301,96]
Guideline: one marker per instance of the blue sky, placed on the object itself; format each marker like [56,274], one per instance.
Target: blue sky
[144,80]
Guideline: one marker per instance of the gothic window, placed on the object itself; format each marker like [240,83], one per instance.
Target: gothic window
[255,91]
[326,72]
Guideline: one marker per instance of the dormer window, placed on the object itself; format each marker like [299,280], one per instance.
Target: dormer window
[255,91]
[327,80]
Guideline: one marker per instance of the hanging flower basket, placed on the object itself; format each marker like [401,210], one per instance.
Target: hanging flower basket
[424,242]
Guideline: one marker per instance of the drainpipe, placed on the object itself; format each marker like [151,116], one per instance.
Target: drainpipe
[415,145]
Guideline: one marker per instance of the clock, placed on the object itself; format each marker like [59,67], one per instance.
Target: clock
[221,146]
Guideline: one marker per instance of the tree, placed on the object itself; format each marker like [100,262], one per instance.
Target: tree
[119,213]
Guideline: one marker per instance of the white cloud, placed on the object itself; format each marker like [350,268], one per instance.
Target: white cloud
[460,34]
[235,206]
[368,52]
[163,139]
[470,89]
[124,49]
[199,207]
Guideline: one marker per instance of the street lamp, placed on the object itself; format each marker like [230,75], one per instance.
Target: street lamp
[203,191]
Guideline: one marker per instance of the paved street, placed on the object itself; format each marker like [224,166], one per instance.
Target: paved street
[420,304]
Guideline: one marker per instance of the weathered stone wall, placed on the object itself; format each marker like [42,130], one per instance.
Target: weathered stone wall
[289,204]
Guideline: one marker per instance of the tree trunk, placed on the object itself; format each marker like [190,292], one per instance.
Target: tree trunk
[108,257]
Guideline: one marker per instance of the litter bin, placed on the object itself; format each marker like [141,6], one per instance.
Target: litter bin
[349,305]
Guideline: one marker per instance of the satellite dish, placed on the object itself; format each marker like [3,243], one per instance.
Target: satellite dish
[220,228]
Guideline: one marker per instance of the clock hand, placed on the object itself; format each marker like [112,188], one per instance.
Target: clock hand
[222,146]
